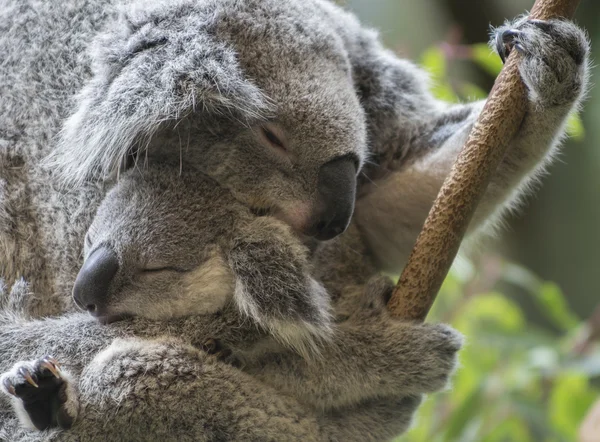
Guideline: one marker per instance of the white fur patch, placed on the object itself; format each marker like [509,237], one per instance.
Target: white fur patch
[301,336]
[209,287]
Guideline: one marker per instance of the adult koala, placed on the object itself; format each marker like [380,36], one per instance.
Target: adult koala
[276,100]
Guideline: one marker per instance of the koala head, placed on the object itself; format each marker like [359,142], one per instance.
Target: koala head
[168,243]
[257,94]
[154,248]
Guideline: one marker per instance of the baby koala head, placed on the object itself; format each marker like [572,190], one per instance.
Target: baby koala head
[155,247]
[167,244]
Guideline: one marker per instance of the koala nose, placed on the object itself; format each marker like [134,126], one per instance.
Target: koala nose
[90,291]
[337,191]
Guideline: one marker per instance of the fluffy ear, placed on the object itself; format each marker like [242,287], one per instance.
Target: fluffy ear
[273,286]
[152,65]
[392,91]
[298,317]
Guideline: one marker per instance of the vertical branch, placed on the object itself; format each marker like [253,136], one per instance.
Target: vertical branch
[439,241]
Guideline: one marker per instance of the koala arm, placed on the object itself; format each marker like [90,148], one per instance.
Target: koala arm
[554,68]
[112,374]
[369,356]
[188,395]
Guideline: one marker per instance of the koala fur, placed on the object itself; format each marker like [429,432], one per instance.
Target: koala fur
[369,357]
[111,372]
[185,246]
[305,70]
[372,367]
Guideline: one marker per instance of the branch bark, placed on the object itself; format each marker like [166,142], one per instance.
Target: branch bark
[439,241]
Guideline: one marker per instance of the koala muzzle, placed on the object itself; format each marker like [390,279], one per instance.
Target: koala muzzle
[93,281]
[337,191]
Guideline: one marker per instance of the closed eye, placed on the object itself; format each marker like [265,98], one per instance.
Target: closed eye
[273,139]
[154,270]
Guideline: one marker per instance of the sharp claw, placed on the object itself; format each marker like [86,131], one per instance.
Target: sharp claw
[519,47]
[9,387]
[52,361]
[51,367]
[509,36]
[25,373]
[211,346]
[505,42]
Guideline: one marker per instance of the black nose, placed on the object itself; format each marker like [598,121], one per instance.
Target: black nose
[91,287]
[337,191]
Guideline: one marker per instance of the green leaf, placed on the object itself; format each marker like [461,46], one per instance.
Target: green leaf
[575,127]
[555,307]
[468,410]
[509,429]
[472,92]
[484,57]
[497,312]
[569,401]
[434,62]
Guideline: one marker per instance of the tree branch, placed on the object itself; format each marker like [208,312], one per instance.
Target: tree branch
[439,241]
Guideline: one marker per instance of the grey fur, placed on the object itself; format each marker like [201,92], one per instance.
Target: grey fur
[163,219]
[328,84]
[185,246]
[390,212]
[215,402]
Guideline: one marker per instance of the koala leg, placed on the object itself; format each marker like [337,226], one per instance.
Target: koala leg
[44,396]
[369,356]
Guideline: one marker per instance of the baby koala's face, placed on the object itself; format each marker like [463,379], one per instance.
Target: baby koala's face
[155,247]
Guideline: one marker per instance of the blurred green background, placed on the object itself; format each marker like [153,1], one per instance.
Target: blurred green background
[531,369]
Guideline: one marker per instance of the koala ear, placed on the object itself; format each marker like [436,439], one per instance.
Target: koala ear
[391,91]
[273,286]
[298,317]
[149,67]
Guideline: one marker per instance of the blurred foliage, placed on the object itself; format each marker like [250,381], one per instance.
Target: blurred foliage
[435,60]
[517,382]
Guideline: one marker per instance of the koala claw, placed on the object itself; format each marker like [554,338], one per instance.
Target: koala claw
[506,41]
[42,390]
[52,365]
[10,389]
[210,346]
[28,376]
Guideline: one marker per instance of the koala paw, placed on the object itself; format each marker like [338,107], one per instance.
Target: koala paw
[554,57]
[222,353]
[441,345]
[43,391]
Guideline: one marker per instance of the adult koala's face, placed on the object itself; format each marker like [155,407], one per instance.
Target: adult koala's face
[257,94]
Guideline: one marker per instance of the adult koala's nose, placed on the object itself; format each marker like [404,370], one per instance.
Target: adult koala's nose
[93,281]
[337,192]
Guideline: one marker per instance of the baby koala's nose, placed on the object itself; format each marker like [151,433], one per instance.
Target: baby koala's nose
[91,288]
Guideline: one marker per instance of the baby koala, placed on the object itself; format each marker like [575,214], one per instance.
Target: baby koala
[176,247]
[167,243]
